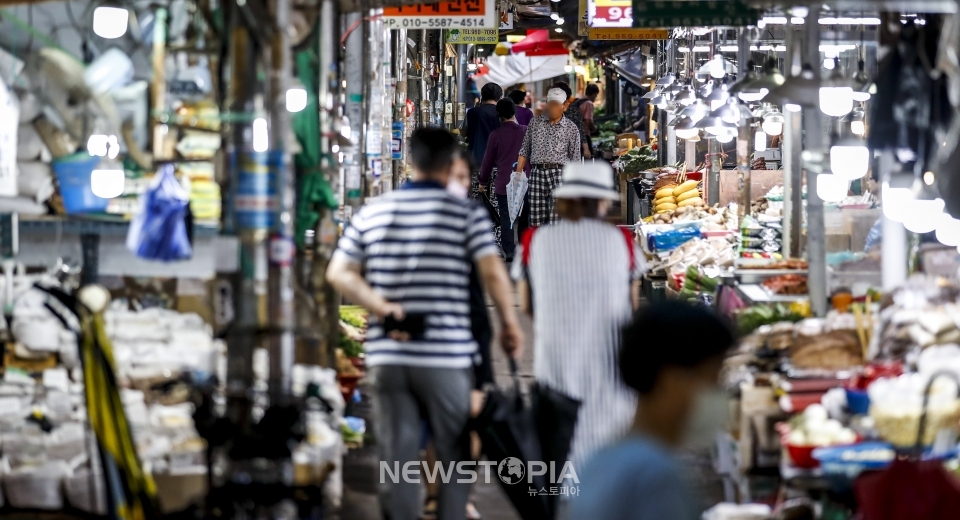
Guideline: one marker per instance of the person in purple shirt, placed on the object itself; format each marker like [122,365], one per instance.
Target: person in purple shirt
[524,114]
[502,150]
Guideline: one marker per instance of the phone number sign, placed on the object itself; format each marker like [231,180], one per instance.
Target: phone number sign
[460,14]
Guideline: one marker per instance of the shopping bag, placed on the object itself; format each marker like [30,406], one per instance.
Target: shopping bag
[159,228]
[508,433]
[516,191]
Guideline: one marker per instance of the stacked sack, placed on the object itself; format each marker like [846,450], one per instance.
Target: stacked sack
[671,197]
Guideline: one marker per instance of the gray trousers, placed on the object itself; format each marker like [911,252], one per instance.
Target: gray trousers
[401,395]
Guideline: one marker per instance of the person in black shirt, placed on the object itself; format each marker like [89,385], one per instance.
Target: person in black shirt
[482,120]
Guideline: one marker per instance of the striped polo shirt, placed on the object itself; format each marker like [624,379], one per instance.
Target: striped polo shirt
[416,247]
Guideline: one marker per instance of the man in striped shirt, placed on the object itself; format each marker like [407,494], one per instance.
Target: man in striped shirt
[406,257]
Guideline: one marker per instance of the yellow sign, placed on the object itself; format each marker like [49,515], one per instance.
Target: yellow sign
[477,36]
[583,27]
[627,33]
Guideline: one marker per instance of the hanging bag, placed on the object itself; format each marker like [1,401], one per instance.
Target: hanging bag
[159,229]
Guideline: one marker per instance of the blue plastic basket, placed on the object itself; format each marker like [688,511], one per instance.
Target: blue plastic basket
[73,174]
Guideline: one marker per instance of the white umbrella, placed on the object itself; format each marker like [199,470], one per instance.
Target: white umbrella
[516,190]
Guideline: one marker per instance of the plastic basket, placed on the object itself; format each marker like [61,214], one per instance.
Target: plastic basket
[73,174]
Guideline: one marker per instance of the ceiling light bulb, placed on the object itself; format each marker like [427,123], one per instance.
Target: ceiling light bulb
[296,99]
[857,127]
[554,16]
[948,230]
[559,29]
[895,202]
[261,139]
[849,162]
[687,133]
[836,101]
[717,67]
[760,141]
[831,188]
[791,107]
[107,184]
[772,127]
[110,22]
[560,21]
[923,215]
[725,138]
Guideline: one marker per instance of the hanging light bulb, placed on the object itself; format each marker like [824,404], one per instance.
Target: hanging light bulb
[107,181]
[831,188]
[110,22]
[296,97]
[725,138]
[717,67]
[923,215]
[261,140]
[718,96]
[948,230]
[554,16]
[760,140]
[688,133]
[686,127]
[773,123]
[849,159]
[836,95]
[791,107]
[896,201]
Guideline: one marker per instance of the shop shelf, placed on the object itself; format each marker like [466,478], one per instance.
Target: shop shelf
[96,226]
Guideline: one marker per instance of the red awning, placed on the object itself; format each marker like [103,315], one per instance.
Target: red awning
[538,43]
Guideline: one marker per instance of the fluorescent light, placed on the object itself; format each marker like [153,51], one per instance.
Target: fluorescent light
[796,20]
[261,139]
[107,184]
[296,99]
[701,48]
[849,21]
[728,48]
[775,20]
[684,50]
[110,22]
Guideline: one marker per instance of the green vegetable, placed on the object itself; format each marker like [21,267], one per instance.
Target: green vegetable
[697,281]
[752,318]
[354,316]
[351,348]
[637,160]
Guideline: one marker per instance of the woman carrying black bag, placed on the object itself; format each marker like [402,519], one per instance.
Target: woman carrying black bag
[578,278]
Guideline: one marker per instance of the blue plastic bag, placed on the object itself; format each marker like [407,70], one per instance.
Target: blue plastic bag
[669,239]
[159,229]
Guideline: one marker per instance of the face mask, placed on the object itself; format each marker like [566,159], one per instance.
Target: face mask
[457,190]
[708,416]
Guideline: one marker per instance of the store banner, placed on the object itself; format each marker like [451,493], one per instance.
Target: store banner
[687,13]
[583,24]
[610,13]
[460,14]
[476,36]
[628,33]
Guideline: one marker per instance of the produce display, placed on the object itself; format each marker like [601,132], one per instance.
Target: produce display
[786,284]
[897,405]
[814,427]
[761,237]
[672,196]
[636,160]
[752,318]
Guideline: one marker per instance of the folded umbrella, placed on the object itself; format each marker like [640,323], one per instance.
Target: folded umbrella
[516,191]
[508,432]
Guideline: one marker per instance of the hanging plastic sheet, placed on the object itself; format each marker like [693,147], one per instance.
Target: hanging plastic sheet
[159,229]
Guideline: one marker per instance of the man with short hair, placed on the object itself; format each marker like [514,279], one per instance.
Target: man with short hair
[482,120]
[585,104]
[524,114]
[681,407]
[550,142]
[406,257]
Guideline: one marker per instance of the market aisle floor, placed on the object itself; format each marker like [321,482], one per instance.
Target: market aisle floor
[361,466]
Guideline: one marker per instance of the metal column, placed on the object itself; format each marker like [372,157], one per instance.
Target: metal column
[714,150]
[280,293]
[790,149]
[744,133]
[816,238]
[353,111]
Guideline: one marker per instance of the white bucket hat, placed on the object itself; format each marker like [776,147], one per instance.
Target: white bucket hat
[587,180]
